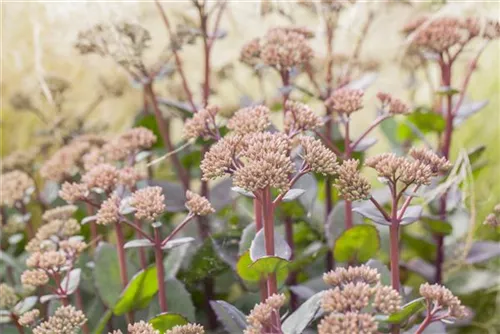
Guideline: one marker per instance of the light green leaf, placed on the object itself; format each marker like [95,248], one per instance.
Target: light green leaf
[165,321]
[139,291]
[107,274]
[407,311]
[360,243]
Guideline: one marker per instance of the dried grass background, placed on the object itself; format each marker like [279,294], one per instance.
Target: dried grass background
[38,38]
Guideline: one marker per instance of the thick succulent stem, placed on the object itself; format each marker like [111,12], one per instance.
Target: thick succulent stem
[160,271]
[122,261]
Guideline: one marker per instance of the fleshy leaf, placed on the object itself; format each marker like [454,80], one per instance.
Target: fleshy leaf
[258,247]
[359,243]
[231,318]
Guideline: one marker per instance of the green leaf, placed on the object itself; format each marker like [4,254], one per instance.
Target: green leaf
[179,299]
[421,247]
[407,311]
[293,194]
[243,192]
[25,305]
[177,242]
[103,322]
[424,120]
[258,247]
[271,264]
[138,243]
[335,222]
[107,274]
[467,282]
[139,291]
[6,258]
[231,318]
[173,261]
[359,243]
[297,322]
[166,321]
[243,268]
[389,129]
[411,215]
[247,237]
[482,251]
[437,226]
[205,263]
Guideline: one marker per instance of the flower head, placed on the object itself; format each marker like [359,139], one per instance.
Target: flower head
[60,212]
[187,329]
[345,100]
[73,192]
[351,297]
[348,323]
[8,297]
[250,52]
[104,176]
[342,276]
[202,124]
[109,212]
[197,204]
[249,120]
[284,48]
[35,277]
[387,300]
[351,184]
[260,315]
[65,320]
[14,187]
[440,296]
[299,117]
[50,260]
[29,318]
[142,327]
[149,203]
[219,159]
[267,162]
[318,158]
[493,219]
[130,143]
[66,161]
[428,157]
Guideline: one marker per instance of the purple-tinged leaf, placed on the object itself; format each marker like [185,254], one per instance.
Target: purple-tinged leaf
[138,243]
[421,267]
[483,251]
[365,144]
[368,210]
[411,215]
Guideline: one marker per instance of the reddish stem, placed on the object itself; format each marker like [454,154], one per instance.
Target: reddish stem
[292,277]
[79,305]
[272,285]
[257,209]
[160,271]
[15,319]
[142,252]
[394,250]
[122,261]
[93,225]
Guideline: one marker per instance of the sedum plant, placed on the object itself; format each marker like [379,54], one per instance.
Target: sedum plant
[298,226]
